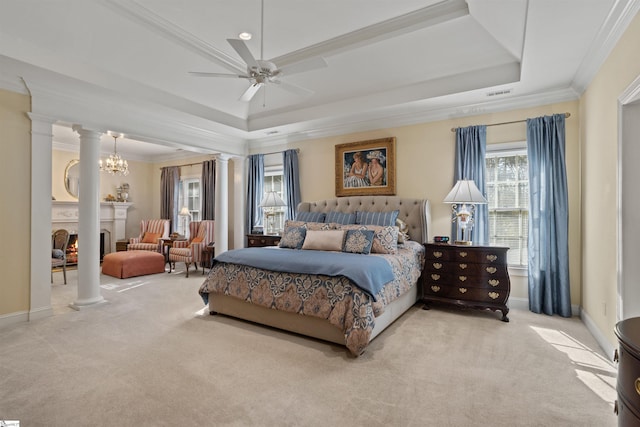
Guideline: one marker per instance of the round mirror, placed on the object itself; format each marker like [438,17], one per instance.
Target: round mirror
[72,178]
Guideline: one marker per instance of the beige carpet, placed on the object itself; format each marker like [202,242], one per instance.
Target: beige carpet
[152,357]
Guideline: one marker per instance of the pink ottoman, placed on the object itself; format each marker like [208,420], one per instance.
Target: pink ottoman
[132,263]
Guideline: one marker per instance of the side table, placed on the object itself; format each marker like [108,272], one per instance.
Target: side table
[166,245]
[209,252]
[261,240]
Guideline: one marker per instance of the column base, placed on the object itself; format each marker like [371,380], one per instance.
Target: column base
[79,305]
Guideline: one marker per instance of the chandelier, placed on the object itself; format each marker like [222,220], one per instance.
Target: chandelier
[115,164]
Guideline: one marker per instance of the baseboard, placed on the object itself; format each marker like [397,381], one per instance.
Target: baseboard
[41,313]
[13,318]
[606,346]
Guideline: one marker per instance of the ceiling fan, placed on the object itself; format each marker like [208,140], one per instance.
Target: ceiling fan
[261,72]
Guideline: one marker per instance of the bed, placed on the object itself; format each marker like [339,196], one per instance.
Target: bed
[327,306]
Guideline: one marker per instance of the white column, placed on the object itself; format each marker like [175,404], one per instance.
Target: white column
[88,220]
[239,201]
[41,137]
[222,204]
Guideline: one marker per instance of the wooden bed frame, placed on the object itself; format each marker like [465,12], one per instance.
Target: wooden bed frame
[416,213]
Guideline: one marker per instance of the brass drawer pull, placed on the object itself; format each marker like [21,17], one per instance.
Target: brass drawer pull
[463,266]
[435,276]
[491,270]
[463,254]
[462,278]
[493,295]
[462,290]
[494,282]
[435,288]
[637,383]
[437,254]
[437,265]
[492,258]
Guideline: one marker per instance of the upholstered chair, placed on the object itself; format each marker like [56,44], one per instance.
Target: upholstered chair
[151,231]
[190,251]
[59,242]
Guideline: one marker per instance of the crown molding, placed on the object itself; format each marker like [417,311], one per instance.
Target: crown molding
[616,23]
[409,115]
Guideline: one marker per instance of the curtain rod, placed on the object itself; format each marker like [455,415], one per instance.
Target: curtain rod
[278,152]
[186,164]
[566,115]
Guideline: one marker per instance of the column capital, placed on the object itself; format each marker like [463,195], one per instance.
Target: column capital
[86,131]
[223,157]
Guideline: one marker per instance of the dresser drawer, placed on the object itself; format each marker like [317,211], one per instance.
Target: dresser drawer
[485,256]
[482,281]
[626,414]
[629,377]
[466,293]
[438,253]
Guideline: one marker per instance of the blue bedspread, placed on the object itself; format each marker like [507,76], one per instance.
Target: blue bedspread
[368,272]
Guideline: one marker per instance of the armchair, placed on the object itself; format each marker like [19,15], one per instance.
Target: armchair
[151,231]
[190,251]
[59,242]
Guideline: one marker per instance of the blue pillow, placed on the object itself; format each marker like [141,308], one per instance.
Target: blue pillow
[310,216]
[377,218]
[340,218]
[358,241]
[293,237]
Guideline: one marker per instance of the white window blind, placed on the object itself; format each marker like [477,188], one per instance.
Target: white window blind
[507,185]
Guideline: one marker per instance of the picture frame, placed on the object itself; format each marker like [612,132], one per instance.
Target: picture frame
[366,168]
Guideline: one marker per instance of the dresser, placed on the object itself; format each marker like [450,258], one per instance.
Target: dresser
[260,240]
[468,276]
[628,356]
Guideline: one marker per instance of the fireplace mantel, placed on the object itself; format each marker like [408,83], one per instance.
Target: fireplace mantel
[113,218]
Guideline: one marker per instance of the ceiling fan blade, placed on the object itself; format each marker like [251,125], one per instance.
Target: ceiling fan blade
[294,88]
[302,66]
[205,74]
[252,90]
[244,52]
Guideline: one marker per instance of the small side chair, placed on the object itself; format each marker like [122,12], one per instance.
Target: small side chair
[59,242]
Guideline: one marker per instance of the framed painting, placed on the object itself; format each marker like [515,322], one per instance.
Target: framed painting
[366,168]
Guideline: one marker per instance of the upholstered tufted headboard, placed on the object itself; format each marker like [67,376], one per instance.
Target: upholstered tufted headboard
[415,212]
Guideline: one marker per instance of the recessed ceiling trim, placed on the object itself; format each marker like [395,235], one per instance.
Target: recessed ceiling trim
[403,24]
[136,12]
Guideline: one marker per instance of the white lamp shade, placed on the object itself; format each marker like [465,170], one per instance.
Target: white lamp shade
[272,200]
[465,191]
[184,211]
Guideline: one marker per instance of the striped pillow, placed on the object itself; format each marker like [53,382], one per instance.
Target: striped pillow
[340,217]
[310,216]
[377,218]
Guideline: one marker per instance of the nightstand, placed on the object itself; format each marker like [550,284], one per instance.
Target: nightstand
[468,276]
[261,240]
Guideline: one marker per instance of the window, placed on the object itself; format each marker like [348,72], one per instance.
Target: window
[189,196]
[273,181]
[507,185]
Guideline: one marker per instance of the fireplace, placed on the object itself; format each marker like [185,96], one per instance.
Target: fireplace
[72,249]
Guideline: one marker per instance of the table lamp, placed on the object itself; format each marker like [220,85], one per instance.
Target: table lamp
[184,213]
[463,197]
[269,203]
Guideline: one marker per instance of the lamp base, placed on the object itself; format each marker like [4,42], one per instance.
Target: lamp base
[462,242]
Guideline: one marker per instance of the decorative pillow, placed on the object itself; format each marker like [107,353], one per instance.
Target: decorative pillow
[324,240]
[310,216]
[340,217]
[310,225]
[197,240]
[150,237]
[385,239]
[57,253]
[358,241]
[377,218]
[293,237]
[403,231]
